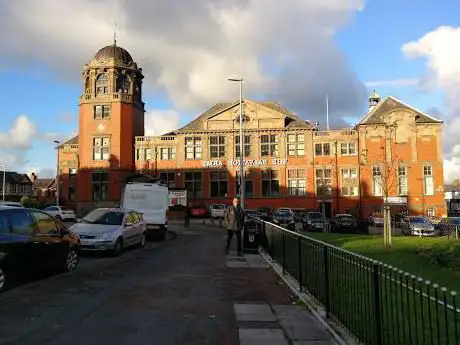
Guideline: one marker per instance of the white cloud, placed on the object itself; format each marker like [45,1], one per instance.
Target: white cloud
[284,50]
[440,49]
[16,142]
[19,135]
[159,122]
[393,82]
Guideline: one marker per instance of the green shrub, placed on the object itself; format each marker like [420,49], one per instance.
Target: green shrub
[26,201]
[441,255]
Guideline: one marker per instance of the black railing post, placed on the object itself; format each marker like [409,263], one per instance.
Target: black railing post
[377,304]
[326,280]
[283,252]
[299,259]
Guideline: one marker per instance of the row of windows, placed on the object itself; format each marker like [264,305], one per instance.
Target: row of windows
[270,184]
[269,147]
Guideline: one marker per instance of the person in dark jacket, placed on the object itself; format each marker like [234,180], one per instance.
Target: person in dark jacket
[234,221]
[188,215]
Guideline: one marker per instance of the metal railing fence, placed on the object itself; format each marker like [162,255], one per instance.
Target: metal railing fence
[377,303]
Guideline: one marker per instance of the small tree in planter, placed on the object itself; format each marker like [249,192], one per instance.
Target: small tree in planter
[26,201]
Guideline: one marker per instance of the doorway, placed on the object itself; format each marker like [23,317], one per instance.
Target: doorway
[326,207]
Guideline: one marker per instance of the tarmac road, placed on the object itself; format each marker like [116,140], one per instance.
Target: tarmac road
[167,293]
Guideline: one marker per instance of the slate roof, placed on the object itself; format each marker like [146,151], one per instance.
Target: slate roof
[13,177]
[391,103]
[292,120]
[43,183]
[72,141]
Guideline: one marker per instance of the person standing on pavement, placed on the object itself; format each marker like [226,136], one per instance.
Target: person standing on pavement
[188,214]
[234,221]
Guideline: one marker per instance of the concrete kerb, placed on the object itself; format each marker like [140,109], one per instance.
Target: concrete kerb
[340,335]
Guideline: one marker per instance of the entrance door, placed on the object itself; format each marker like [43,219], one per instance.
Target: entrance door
[326,207]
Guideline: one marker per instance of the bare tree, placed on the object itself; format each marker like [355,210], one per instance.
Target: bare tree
[385,173]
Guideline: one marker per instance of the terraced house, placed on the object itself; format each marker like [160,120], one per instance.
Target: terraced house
[394,153]
[16,185]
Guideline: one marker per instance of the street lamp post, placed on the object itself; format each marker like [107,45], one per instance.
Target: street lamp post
[242,177]
[57,173]
[4,183]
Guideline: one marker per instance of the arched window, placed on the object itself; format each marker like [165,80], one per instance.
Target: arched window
[123,83]
[102,84]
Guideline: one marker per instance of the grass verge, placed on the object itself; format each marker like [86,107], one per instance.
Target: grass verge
[435,259]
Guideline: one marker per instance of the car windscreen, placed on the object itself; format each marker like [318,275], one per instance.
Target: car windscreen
[283,214]
[418,220]
[455,221]
[345,217]
[315,215]
[104,217]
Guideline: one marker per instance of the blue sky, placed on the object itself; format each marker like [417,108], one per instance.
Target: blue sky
[371,42]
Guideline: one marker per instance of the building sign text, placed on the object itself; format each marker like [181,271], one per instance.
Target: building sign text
[247,162]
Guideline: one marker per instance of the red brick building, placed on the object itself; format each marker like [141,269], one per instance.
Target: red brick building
[395,152]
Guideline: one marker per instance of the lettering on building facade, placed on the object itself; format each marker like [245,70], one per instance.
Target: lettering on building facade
[247,162]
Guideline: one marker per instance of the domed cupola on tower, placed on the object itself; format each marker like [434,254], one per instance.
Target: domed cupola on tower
[112,71]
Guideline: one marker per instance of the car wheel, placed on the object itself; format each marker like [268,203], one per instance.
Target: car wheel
[118,248]
[2,280]
[71,260]
[143,240]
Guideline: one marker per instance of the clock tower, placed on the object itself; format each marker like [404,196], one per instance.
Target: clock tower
[111,115]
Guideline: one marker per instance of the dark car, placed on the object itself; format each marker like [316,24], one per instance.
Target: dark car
[284,219]
[299,213]
[344,223]
[265,213]
[313,221]
[250,214]
[448,226]
[33,242]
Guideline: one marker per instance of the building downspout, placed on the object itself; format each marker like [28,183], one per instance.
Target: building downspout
[359,178]
[337,194]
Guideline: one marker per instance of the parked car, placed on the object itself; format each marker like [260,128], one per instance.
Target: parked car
[111,229]
[217,210]
[343,222]
[448,226]
[377,219]
[11,204]
[299,214]
[287,209]
[313,221]
[265,213]
[418,226]
[199,211]
[31,242]
[61,213]
[250,214]
[284,218]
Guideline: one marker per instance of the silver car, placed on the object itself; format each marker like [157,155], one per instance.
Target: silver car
[111,229]
[418,226]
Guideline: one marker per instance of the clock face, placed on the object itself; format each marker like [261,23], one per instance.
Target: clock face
[100,127]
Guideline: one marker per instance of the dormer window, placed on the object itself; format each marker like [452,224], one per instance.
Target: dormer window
[102,84]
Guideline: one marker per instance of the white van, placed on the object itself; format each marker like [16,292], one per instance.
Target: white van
[152,200]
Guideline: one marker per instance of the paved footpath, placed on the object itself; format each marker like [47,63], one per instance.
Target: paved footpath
[185,291]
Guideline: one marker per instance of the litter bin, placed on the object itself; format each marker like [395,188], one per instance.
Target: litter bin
[251,237]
